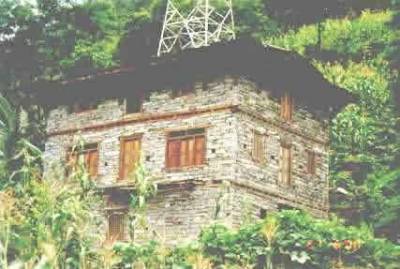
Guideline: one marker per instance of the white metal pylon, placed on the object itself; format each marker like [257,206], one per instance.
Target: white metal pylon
[204,24]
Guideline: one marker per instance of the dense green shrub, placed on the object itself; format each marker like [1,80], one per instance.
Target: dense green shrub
[291,237]
[298,239]
[146,254]
[359,55]
[345,36]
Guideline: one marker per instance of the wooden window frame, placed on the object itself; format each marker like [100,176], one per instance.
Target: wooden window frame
[122,228]
[311,162]
[289,182]
[287,107]
[181,135]
[259,154]
[89,147]
[123,139]
[121,176]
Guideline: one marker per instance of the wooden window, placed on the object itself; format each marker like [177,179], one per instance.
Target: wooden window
[287,107]
[286,165]
[116,226]
[88,156]
[186,148]
[130,156]
[258,152]
[311,162]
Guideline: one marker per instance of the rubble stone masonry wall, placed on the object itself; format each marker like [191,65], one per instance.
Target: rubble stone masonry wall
[230,111]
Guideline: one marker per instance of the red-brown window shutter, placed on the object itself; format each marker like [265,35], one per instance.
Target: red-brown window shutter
[89,155]
[199,150]
[184,155]
[130,156]
[92,163]
[186,148]
[173,153]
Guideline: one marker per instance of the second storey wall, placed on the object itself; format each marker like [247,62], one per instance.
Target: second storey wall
[260,114]
[220,147]
[229,138]
[162,111]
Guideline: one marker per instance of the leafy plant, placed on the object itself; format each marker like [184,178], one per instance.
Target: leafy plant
[144,189]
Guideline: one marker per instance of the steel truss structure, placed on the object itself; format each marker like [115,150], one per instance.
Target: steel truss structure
[204,24]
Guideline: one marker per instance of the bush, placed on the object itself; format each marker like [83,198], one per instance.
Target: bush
[296,238]
[356,37]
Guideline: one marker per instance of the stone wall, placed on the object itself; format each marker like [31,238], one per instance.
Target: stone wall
[229,110]
[261,114]
[179,212]
[220,132]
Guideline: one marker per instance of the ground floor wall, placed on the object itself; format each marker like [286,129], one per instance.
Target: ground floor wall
[180,211]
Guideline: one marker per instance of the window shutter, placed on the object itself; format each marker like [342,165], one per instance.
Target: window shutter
[173,153]
[136,151]
[89,157]
[191,151]
[126,147]
[286,165]
[311,162]
[186,148]
[184,153]
[93,163]
[258,147]
[130,156]
[200,150]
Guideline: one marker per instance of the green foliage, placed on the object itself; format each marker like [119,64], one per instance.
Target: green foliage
[251,18]
[132,254]
[229,247]
[18,157]
[382,201]
[344,36]
[144,189]
[179,257]
[57,225]
[101,30]
[294,238]
[45,223]
[366,127]
[357,54]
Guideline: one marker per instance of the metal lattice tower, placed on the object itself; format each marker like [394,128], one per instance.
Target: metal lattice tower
[204,24]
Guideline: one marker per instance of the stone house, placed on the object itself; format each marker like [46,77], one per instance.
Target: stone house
[237,112]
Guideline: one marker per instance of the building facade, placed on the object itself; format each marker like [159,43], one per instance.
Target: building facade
[227,146]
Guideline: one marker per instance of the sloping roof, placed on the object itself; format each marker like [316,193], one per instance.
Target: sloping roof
[273,69]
